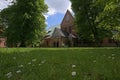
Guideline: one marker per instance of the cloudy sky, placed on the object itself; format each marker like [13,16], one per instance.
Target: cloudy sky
[56,10]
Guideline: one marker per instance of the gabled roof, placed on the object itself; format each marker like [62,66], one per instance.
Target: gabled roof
[51,29]
[67,13]
[57,33]
[54,31]
[71,36]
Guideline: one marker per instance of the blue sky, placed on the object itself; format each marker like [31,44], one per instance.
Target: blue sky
[56,10]
[55,19]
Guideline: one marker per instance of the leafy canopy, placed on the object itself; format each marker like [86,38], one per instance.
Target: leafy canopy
[26,22]
[96,19]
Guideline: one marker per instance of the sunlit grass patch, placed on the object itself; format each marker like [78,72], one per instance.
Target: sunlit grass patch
[60,63]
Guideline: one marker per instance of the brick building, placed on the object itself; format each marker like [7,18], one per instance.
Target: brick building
[65,35]
[2,42]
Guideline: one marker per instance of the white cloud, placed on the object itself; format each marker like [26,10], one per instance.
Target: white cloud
[51,11]
[46,23]
[4,3]
[57,6]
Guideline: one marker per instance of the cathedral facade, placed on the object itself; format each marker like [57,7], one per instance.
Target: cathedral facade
[63,34]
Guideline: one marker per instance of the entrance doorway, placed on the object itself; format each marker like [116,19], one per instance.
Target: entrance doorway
[56,44]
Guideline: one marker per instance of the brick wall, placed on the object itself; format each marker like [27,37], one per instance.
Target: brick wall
[2,42]
[67,24]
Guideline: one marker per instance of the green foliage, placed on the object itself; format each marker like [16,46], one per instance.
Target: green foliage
[2,27]
[111,17]
[96,19]
[116,34]
[91,63]
[86,12]
[26,23]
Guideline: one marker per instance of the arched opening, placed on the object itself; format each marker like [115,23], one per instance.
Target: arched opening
[56,44]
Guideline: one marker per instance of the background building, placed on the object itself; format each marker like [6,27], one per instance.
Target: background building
[2,42]
[63,34]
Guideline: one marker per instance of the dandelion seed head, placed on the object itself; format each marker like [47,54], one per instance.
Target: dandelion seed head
[21,66]
[43,61]
[33,60]
[73,73]
[94,61]
[39,64]
[113,57]
[109,57]
[113,54]
[73,66]
[19,71]
[14,58]
[9,74]
[29,63]
[90,17]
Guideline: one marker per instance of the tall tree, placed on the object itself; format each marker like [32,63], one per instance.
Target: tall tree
[87,13]
[26,22]
[2,29]
[2,26]
[111,17]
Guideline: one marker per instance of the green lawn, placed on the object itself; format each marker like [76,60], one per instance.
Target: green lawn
[59,63]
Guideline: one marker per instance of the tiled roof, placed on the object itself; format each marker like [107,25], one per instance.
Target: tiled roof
[51,30]
[57,33]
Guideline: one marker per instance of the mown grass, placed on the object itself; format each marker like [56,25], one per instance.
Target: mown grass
[56,63]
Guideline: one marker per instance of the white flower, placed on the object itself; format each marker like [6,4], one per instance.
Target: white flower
[79,8]
[111,17]
[21,66]
[109,57]
[29,63]
[9,74]
[39,64]
[113,54]
[73,66]
[94,61]
[14,58]
[19,71]
[90,17]
[73,73]
[33,60]
[43,61]
[113,57]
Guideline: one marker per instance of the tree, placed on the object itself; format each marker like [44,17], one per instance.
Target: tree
[26,23]
[111,15]
[2,27]
[90,26]
[85,13]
